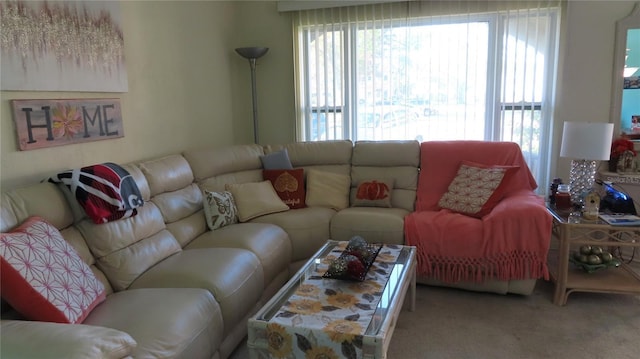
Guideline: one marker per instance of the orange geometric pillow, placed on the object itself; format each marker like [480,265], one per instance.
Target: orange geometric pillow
[289,185]
[476,189]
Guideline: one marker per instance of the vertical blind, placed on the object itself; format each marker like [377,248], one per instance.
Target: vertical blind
[429,70]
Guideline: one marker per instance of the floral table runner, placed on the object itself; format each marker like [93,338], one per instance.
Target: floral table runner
[326,318]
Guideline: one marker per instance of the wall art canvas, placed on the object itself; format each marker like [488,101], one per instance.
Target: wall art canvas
[47,123]
[62,46]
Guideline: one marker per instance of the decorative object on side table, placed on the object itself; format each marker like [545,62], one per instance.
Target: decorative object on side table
[553,189]
[622,157]
[585,143]
[593,258]
[355,261]
[591,207]
[563,198]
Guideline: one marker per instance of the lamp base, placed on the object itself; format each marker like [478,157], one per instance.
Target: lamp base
[581,179]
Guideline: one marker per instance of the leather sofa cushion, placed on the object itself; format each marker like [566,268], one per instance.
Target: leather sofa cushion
[180,203]
[268,242]
[375,225]
[127,248]
[212,162]
[308,228]
[234,277]
[166,323]
[43,200]
[69,341]
[397,160]
[167,173]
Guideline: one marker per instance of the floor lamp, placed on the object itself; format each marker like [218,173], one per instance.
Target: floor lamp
[253,53]
[585,143]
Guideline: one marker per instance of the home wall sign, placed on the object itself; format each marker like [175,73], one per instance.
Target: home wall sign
[62,46]
[47,123]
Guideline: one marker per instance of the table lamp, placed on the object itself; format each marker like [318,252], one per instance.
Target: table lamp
[585,143]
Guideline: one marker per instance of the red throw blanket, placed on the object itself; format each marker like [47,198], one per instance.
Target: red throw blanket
[511,242]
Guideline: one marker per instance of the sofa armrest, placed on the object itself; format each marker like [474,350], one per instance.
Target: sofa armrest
[518,205]
[41,340]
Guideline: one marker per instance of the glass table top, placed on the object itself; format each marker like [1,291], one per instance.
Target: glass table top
[399,273]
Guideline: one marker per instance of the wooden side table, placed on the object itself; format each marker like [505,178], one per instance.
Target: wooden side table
[573,232]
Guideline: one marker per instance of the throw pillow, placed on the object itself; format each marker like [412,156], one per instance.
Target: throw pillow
[220,209]
[476,189]
[277,160]
[328,189]
[106,191]
[255,199]
[43,277]
[289,185]
[373,193]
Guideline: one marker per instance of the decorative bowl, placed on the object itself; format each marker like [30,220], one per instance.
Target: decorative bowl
[373,250]
[591,268]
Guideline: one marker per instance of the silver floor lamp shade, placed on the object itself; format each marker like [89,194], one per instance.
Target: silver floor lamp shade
[253,53]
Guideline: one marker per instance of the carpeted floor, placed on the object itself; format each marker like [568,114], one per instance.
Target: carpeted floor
[457,324]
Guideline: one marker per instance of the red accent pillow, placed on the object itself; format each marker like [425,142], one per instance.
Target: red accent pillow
[289,185]
[43,277]
[477,188]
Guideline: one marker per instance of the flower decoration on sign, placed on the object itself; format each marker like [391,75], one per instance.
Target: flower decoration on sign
[67,121]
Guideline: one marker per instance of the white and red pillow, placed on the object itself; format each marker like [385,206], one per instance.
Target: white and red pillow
[43,277]
[106,191]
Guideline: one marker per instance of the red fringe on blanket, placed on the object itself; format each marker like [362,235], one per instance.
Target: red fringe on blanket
[502,266]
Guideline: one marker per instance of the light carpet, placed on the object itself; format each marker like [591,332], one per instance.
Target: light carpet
[457,324]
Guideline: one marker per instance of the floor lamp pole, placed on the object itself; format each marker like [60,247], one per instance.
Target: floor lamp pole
[252,54]
[254,96]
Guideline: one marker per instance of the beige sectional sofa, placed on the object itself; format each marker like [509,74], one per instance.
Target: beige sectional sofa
[176,289]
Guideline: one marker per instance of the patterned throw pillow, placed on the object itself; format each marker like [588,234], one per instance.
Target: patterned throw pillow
[289,185]
[43,277]
[373,193]
[220,209]
[476,188]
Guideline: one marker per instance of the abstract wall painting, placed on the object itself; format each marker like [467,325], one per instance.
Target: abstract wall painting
[62,46]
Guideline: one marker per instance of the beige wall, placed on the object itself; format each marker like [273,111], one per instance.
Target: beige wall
[584,79]
[179,58]
[188,88]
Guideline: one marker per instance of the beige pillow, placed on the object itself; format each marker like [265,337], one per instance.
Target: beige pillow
[327,189]
[255,199]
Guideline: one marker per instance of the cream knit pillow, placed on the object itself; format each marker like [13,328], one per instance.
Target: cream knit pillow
[327,189]
[255,199]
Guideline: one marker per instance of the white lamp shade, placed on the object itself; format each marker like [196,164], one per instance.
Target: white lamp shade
[586,140]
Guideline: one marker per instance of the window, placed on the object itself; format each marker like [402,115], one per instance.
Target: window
[429,71]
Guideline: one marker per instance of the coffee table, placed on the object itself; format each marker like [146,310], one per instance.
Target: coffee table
[331,316]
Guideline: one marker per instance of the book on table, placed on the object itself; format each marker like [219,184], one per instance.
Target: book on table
[621,219]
